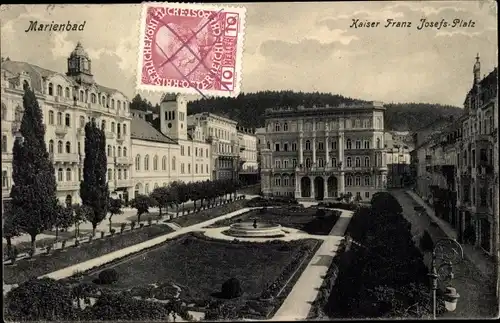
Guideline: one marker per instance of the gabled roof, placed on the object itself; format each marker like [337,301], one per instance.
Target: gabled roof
[141,129]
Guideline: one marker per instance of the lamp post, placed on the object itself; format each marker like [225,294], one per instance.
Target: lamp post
[449,252]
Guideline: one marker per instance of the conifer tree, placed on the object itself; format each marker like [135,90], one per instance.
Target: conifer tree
[94,187]
[33,194]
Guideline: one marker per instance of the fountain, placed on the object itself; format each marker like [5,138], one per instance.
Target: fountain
[255,230]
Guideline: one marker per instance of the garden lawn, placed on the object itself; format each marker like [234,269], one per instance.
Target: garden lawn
[43,264]
[297,218]
[203,265]
[205,215]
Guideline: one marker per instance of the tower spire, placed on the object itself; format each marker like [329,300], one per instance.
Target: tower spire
[477,70]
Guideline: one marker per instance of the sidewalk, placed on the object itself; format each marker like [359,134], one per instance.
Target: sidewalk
[475,255]
[298,303]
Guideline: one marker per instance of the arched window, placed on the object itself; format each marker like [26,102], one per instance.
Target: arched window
[367,180]
[378,143]
[164,163]
[68,174]
[320,162]
[285,163]
[119,151]
[109,150]
[110,174]
[146,162]
[59,90]
[146,187]
[348,180]
[18,114]
[357,181]
[59,147]
[308,145]
[367,144]
[349,162]
[51,146]
[334,162]
[268,145]
[124,152]
[156,185]
[118,104]
[285,127]
[59,118]
[308,162]
[68,147]
[358,144]
[367,161]
[138,162]
[114,151]
[124,129]
[51,89]
[294,146]
[93,98]
[112,127]
[60,175]
[66,92]
[4,144]
[4,111]
[155,162]
[79,147]
[286,181]
[277,181]
[348,144]
[277,126]
[277,163]
[51,117]
[357,162]
[173,163]
[103,124]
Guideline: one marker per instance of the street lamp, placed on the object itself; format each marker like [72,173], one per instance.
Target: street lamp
[450,253]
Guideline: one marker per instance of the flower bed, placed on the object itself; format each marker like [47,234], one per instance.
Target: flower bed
[271,201]
[205,215]
[343,206]
[25,269]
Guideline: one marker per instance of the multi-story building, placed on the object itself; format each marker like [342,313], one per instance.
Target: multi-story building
[222,133]
[323,152]
[478,161]
[68,101]
[398,159]
[248,150]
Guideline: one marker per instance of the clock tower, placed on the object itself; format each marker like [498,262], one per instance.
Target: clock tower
[79,66]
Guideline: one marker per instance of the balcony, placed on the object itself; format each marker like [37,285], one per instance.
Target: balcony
[110,135]
[7,157]
[65,158]
[61,130]
[68,186]
[15,127]
[123,160]
[124,183]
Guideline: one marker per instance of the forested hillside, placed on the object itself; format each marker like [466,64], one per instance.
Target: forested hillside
[248,108]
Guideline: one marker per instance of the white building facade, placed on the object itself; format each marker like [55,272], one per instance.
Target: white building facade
[248,150]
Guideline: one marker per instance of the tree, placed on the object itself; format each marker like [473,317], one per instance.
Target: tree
[114,208]
[10,228]
[163,197]
[80,214]
[182,194]
[142,203]
[34,191]
[64,218]
[94,187]
[42,299]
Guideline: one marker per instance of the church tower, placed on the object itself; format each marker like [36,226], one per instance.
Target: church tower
[80,66]
[477,71]
[173,116]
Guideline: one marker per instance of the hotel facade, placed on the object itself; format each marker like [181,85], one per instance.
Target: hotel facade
[324,152]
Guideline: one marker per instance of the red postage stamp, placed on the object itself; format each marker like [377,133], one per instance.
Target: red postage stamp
[191,48]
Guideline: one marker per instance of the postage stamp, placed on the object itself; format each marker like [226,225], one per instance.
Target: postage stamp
[191,48]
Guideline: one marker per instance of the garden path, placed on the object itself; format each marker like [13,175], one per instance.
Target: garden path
[298,302]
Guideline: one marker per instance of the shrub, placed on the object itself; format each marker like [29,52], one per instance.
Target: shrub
[112,231]
[150,221]
[108,276]
[122,227]
[63,244]
[141,225]
[132,225]
[426,242]
[231,288]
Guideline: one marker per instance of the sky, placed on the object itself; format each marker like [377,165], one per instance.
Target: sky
[289,46]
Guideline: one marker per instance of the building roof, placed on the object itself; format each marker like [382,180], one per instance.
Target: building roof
[141,129]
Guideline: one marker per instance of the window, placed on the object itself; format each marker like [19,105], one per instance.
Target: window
[146,187]
[146,163]
[59,147]
[294,146]
[308,145]
[119,174]
[378,143]
[182,150]
[357,181]
[320,145]
[189,151]
[164,163]
[320,162]
[277,163]
[308,162]
[358,144]
[4,144]
[173,163]
[189,168]
[155,162]
[59,118]
[124,129]
[367,144]
[109,150]
[367,195]
[285,163]
[124,152]
[268,145]
[367,161]
[60,175]
[66,92]
[276,147]
[285,146]
[51,117]
[138,162]
[93,98]
[334,145]
[286,181]
[68,147]
[277,181]
[277,126]
[367,180]
[357,162]
[348,180]
[4,111]
[206,152]
[348,144]
[59,90]
[51,146]
[349,162]
[4,179]
[119,151]
[207,168]
[51,89]
[68,174]
[294,163]
[334,162]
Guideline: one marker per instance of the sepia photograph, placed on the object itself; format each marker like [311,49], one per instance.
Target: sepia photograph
[256,161]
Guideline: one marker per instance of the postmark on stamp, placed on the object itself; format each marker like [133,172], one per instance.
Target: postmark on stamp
[191,48]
